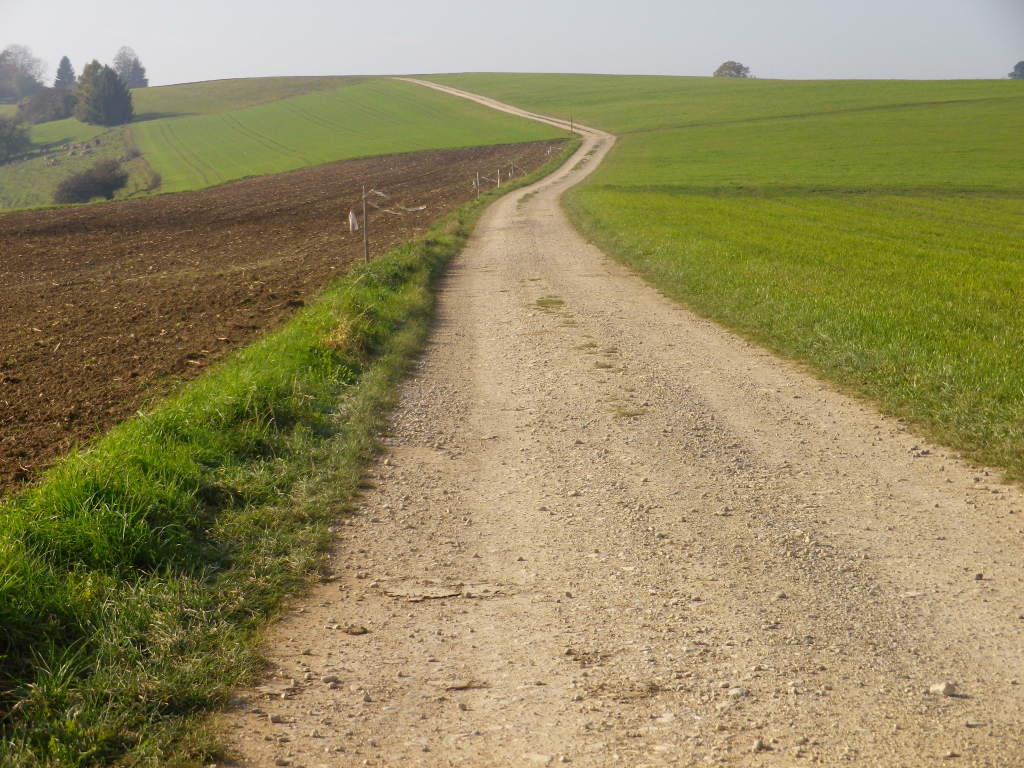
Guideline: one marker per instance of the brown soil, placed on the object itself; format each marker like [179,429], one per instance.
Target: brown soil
[103,307]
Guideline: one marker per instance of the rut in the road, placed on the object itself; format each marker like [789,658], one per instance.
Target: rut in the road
[607,532]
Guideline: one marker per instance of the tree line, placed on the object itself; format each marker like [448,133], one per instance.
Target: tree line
[100,95]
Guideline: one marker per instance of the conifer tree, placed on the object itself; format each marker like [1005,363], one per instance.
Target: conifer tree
[102,98]
[65,75]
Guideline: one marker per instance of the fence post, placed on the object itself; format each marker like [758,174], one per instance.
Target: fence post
[366,231]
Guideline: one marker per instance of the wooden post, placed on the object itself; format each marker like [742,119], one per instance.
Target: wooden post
[478,183]
[366,231]
[499,179]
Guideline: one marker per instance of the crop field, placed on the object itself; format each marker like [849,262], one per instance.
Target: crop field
[873,230]
[199,135]
[214,96]
[104,307]
[358,120]
[31,181]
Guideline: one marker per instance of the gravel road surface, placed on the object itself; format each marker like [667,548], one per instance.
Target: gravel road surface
[608,532]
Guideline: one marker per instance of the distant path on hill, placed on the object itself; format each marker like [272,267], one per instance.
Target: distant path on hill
[607,532]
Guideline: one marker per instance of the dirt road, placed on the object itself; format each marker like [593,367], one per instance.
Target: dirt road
[607,532]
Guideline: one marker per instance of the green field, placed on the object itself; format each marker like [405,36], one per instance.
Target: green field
[874,230]
[31,182]
[374,117]
[214,96]
[202,134]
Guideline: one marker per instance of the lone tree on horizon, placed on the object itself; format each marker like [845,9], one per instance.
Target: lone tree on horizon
[732,69]
[1018,72]
[65,75]
[130,69]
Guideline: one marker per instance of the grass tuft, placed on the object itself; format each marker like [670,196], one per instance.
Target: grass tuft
[549,303]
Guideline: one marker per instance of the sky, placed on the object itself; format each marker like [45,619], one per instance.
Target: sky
[189,40]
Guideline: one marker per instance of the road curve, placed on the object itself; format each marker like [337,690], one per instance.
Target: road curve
[608,532]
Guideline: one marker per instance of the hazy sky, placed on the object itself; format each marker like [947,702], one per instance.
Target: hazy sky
[187,40]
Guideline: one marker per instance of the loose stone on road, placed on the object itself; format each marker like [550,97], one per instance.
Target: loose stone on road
[607,532]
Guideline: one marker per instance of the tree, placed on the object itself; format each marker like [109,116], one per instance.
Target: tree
[47,104]
[14,138]
[65,75]
[130,69]
[101,97]
[21,73]
[1018,71]
[732,69]
[85,109]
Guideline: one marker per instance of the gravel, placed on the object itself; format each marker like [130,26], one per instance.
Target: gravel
[782,626]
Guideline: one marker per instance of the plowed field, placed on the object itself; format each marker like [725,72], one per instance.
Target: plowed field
[104,307]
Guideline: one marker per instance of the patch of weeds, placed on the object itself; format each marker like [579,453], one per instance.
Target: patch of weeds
[549,303]
[528,197]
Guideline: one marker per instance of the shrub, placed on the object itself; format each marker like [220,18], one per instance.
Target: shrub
[102,180]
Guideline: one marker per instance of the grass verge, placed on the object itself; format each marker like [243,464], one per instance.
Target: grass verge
[870,229]
[135,577]
[908,301]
